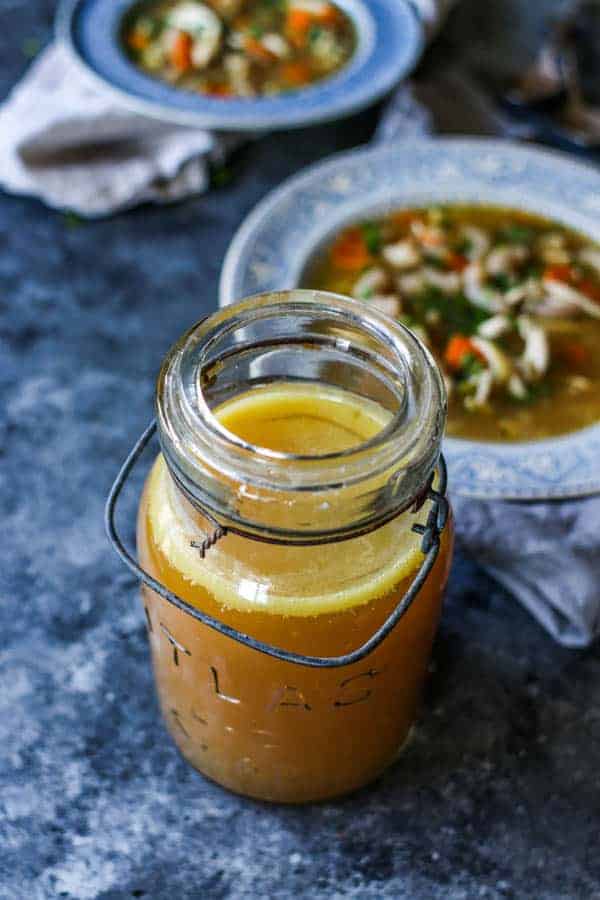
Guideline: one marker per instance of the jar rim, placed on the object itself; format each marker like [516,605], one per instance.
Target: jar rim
[201,451]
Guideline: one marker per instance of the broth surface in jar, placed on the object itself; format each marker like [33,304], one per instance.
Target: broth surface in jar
[255,724]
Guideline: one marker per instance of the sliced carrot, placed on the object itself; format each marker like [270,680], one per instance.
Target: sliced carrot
[297,25]
[350,251]
[559,273]
[457,262]
[181,51]
[296,73]
[218,90]
[137,40]
[569,275]
[590,288]
[258,51]
[328,16]
[458,347]
[574,354]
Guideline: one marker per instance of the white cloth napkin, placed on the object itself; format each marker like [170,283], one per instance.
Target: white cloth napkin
[66,140]
[547,555]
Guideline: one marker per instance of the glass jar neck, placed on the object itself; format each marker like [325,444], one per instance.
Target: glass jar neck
[301,340]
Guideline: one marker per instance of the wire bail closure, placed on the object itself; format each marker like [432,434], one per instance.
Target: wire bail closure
[430,546]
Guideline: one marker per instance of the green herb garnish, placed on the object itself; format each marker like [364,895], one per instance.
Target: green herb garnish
[470,366]
[457,314]
[463,247]
[515,234]
[436,262]
[372,235]
[502,282]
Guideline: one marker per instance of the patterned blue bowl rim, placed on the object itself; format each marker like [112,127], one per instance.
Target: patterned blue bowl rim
[273,246]
[390,40]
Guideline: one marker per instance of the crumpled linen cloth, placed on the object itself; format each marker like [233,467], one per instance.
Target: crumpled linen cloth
[546,554]
[66,140]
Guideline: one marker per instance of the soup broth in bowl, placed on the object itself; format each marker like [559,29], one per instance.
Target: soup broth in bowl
[239,48]
[508,302]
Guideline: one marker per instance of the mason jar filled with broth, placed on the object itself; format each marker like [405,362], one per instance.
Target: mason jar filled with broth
[299,432]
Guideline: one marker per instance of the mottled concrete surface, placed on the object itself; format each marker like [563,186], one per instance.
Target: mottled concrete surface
[498,795]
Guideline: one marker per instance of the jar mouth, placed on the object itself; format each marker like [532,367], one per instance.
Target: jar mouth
[298,338]
[213,424]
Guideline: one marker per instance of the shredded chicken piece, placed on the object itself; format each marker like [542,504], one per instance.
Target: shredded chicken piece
[402,254]
[590,257]
[503,259]
[498,362]
[478,239]
[449,282]
[484,381]
[563,300]
[528,290]
[276,44]
[372,281]
[494,327]
[410,283]
[516,387]
[203,25]
[478,292]
[428,236]
[535,358]
[387,303]
[238,69]
[578,384]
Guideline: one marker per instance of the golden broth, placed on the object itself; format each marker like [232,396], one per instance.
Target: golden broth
[256,724]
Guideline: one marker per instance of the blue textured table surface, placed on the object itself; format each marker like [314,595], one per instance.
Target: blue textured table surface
[498,794]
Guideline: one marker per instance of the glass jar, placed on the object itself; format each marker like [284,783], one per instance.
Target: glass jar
[297,431]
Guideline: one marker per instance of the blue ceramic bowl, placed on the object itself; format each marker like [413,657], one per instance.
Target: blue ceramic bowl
[390,39]
[280,237]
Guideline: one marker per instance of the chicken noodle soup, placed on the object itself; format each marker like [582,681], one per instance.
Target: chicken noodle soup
[508,302]
[239,48]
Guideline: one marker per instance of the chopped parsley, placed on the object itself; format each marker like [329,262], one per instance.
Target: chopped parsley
[470,366]
[515,234]
[457,314]
[436,262]
[502,282]
[372,235]
[463,247]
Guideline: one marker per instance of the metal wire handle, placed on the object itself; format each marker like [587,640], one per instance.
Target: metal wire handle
[430,546]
